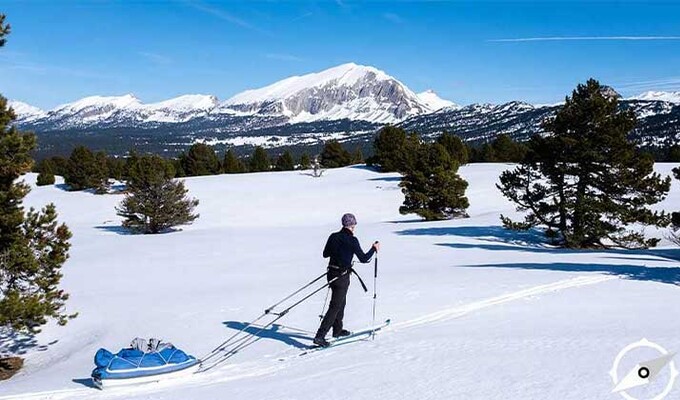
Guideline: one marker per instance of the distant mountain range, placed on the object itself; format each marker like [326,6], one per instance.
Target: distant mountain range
[348,102]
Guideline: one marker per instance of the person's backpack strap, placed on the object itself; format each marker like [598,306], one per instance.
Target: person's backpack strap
[361,281]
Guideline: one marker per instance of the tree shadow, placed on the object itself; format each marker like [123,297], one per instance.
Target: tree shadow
[488,233]
[273,332]
[13,343]
[387,179]
[117,229]
[407,221]
[532,241]
[670,275]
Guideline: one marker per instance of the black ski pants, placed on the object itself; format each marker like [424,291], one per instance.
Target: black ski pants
[336,308]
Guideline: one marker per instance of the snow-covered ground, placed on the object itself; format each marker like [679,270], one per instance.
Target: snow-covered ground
[478,312]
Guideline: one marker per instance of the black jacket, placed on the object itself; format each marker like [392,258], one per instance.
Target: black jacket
[342,246]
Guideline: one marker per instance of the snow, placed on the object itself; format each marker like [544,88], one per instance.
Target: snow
[671,97]
[341,75]
[477,312]
[108,102]
[26,111]
[187,102]
[434,102]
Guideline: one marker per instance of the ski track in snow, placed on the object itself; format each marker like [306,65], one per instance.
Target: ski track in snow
[256,369]
[460,311]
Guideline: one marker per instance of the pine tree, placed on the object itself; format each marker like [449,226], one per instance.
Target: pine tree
[388,149]
[334,155]
[116,168]
[673,153]
[231,164]
[358,156]
[155,202]
[487,153]
[33,246]
[285,162]
[586,183]
[200,160]
[305,161]
[86,170]
[45,173]
[45,179]
[260,160]
[455,146]
[431,185]
[675,217]
[507,150]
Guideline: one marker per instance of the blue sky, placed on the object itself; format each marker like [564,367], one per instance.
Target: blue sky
[468,52]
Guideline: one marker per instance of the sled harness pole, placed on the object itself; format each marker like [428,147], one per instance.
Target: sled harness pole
[375,282]
[266,311]
[243,338]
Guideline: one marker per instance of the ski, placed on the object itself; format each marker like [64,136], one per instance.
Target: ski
[353,337]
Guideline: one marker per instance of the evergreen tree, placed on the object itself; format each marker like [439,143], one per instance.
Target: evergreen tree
[487,153]
[103,183]
[305,161]
[507,150]
[259,162]
[116,168]
[334,155]
[675,217]
[285,162]
[45,173]
[585,182]
[45,179]
[388,149]
[33,247]
[673,153]
[59,165]
[155,202]
[200,160]
[431,185]
[86,170]
[232,164]
[455,146]
[358,156]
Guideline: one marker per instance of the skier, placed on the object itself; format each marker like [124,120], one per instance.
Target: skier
[341,248]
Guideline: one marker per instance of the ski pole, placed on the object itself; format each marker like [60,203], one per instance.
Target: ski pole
[221,347]
[246,341]
[375,282]
[266,311]
[328,292]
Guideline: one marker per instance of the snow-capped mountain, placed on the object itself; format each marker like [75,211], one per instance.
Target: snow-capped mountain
[658,122]
[670,97]
[348,91]
[345,92]
[434,102]
[348,102]
[26,112]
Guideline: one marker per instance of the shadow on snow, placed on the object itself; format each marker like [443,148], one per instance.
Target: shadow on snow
[274,332]
[532,241]
[635,272]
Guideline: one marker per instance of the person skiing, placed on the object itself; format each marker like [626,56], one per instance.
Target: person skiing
[341,248]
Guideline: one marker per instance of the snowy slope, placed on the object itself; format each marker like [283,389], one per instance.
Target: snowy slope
[26,112]
[435,102]
[478,312]
[670,97]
